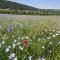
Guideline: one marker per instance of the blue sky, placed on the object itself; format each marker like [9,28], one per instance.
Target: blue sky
[44,4]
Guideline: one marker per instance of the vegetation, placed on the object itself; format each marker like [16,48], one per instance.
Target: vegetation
[15,6]
[25,40]
[9,7]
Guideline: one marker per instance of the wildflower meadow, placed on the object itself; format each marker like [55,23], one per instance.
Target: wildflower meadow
[29,40]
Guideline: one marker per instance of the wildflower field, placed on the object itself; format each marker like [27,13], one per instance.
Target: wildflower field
[29,39]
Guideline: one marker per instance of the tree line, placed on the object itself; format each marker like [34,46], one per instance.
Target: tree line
[30,12]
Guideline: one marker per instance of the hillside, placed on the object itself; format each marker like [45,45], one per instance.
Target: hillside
[9,7]
[14,5]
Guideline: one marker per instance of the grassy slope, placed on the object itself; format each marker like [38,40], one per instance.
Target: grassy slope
[14,5]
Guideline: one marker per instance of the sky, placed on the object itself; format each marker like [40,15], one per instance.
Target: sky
[44,4]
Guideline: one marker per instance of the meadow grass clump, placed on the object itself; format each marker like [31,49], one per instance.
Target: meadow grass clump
[29,40]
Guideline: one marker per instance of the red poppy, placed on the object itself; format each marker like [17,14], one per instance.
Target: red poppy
[25,42]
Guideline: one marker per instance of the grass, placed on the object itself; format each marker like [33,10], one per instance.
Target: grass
[29,39]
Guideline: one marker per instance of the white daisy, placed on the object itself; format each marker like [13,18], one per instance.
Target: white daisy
[3,37]
[9,46]
[18,43]
[15,58]
[6,49]
[3,42]
[21,48]
[30,57]
[57,34]
[54,35]
[39,39]
[27,37]
[48,37]
[12,55]
[15,41]
[59,42]
[50,42]
[45,30]
[13,36]
[43,47]
[14,45]
[41,59]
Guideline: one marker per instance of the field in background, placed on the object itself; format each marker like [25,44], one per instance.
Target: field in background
[9,7]
[28,37]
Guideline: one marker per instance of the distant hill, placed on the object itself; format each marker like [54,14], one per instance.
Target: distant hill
[13,5]
[9,7]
